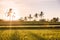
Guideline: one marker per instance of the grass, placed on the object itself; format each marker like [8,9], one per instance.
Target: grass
[46,34]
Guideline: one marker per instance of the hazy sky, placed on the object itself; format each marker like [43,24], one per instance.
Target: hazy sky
[51,8]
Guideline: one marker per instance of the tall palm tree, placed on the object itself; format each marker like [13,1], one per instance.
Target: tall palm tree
[30,17]
[36,16]
[41,14]
[25,18]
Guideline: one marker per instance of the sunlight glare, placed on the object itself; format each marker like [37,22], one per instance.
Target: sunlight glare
[11,18]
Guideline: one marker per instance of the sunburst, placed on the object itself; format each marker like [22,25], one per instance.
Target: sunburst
[12,15]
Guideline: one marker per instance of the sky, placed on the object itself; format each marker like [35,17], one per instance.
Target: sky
[50,8]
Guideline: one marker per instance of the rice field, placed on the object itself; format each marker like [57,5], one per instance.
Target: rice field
[30,34]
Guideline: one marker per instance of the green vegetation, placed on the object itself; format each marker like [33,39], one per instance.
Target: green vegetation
[30,35]
[25,21]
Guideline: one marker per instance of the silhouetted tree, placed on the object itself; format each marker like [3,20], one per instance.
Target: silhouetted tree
[41,14]
[25,18]
[55,20]
[21,19]
[36,15]
[30,17]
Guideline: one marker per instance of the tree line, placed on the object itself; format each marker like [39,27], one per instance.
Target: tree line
[36,15]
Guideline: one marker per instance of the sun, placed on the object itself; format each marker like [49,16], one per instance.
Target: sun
[12,14]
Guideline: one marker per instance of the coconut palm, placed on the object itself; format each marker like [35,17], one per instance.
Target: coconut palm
[41,14]
[25,18]
[36,16]
[30,17]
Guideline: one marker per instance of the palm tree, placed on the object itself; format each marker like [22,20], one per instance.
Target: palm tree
[36,16]
[25,18]
[30,17]
[41,14]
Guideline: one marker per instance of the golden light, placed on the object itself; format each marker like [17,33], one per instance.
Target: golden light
[15,11]
[14,15]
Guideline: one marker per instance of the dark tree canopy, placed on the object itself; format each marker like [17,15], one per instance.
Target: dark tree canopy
[36,15]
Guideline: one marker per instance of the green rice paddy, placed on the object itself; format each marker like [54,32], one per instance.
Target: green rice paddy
[27,34]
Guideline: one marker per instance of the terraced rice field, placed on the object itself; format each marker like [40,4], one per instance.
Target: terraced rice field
[27,34]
